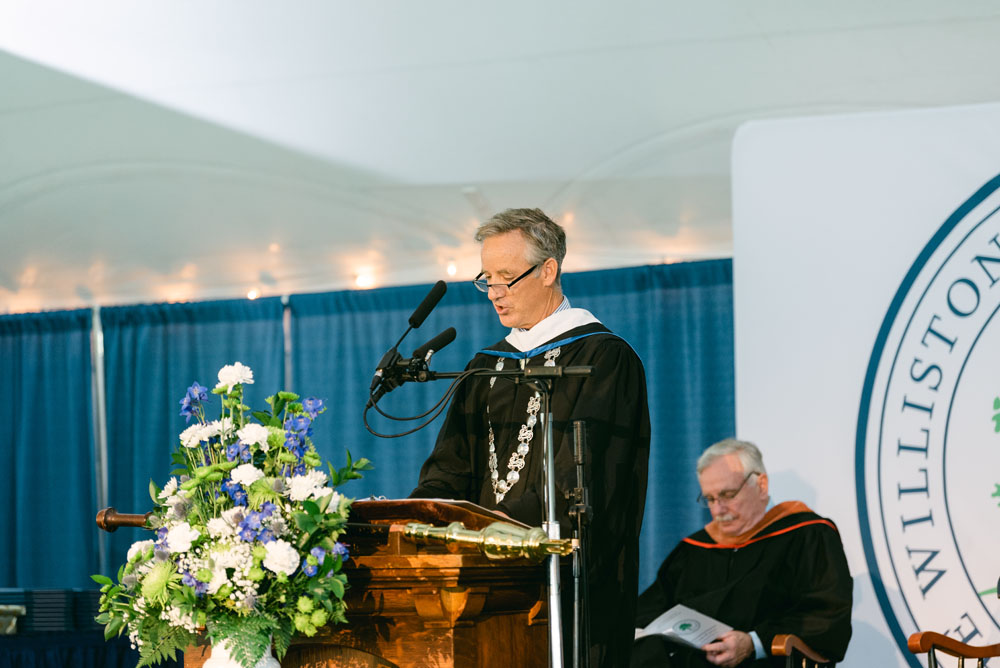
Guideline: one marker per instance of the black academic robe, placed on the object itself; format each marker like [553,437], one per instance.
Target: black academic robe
[612,402]
[790,577]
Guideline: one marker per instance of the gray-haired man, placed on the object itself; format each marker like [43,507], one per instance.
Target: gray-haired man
[488,449]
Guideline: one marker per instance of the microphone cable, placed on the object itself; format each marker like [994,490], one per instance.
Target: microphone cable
[436,409]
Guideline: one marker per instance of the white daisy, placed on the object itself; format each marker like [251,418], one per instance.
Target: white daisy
[254,434]
[281,557]
[247,474]
[234,374]
[310,485]
[180,537]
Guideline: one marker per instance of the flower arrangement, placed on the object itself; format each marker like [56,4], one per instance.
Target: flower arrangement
[246,534]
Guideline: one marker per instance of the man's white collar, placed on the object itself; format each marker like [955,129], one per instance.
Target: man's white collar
[562,320]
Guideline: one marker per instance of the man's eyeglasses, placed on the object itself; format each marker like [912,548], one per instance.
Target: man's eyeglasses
[725,495]
[500,288]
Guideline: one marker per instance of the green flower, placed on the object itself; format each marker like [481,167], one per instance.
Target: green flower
[156,582]
[319,617]
[304,625]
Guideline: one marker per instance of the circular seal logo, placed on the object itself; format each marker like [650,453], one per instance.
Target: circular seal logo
[687,626]
[928,447]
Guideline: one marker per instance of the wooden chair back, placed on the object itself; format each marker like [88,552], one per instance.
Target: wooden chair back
[931,643]
[797,653]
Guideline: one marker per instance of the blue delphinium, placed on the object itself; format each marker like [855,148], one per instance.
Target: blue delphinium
[240,450]
[297,428]
[311,564]
[235,491]
[161,538]
[200,588]
[252,520]
[339,550]
[193,398]
[299,423]
[313,407]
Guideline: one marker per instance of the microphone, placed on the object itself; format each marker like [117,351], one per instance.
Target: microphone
[426,306]
[391,356]
[398,370]
[424,352]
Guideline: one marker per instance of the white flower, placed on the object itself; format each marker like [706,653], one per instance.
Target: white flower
[216,428]
[169,489]
[228,555]
[254,434]
[219,578]
[230,558]
[281,557]
[220,528]
[180,537]
[137,547]
[173,616]
[234,374]
[302,487]
[193,435]
[247,474]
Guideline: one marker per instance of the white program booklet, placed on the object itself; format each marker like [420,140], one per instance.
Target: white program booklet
[686,626]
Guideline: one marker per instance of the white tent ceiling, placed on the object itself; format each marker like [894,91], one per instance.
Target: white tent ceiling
[166,150]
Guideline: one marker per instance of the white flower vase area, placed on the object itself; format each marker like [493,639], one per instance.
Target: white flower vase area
[221,658]
[246,535]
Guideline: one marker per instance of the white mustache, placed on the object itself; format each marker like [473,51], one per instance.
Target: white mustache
[725,518]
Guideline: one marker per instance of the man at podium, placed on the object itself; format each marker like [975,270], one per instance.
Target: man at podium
[489,448]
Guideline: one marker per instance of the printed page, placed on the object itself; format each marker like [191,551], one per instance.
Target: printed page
[686,626]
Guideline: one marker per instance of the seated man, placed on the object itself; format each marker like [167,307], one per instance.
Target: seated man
[762,572]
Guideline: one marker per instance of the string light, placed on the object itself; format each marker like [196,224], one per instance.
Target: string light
[365,279]
[253,294]
[451,269]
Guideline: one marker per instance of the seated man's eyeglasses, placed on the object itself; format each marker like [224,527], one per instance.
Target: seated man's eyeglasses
[725,495]
[499,288]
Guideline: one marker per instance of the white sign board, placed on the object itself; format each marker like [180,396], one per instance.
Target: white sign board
[866,281]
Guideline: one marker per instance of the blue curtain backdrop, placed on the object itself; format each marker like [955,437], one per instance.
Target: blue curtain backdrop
[152,354]
[679,319]
[47,489]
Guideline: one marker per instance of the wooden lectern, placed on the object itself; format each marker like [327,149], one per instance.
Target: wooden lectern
[422,606]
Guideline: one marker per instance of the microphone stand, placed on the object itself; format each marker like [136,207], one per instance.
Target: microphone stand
[541,379]
[580,511]
[551,523]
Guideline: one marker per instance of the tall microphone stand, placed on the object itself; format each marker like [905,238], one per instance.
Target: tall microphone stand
[541,379]
[580,511]
[551,523]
